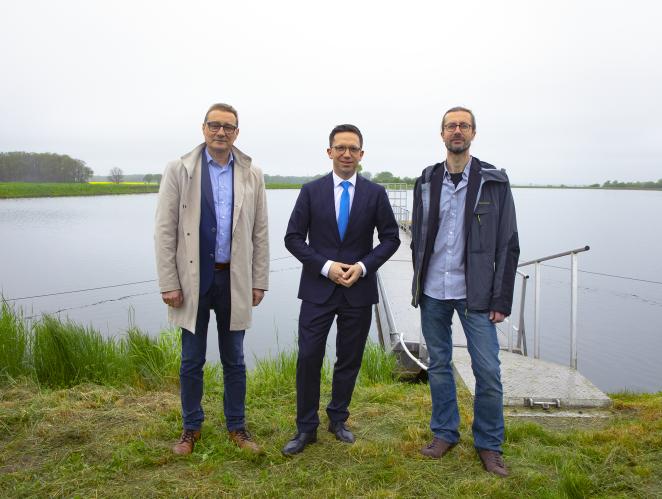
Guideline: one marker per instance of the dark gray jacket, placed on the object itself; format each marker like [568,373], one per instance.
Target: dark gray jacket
[492,245]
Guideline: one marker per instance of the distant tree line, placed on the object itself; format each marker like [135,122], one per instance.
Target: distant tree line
[153,178]
[615,184]
[116,176]
[147,178]
[389,178]
[286,179]
[42,167]
[381,178]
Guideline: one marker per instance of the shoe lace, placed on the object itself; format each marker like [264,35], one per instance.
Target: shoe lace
[188,436]
[495,459]
[243,435]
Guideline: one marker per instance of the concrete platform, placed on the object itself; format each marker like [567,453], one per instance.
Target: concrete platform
[533,382]
[527,382]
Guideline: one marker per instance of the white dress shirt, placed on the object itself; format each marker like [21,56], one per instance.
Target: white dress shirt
[337,192]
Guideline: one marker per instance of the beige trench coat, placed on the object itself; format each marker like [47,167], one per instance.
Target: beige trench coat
[177,237]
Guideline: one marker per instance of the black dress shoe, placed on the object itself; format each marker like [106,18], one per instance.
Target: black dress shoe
[299,442]
[341,432]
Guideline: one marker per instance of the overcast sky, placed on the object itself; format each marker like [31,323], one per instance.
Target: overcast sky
[563,91]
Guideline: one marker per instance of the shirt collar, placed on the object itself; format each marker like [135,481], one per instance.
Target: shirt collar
[465,172]
[211,161]
[337,180]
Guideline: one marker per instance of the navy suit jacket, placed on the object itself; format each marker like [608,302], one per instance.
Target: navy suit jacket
[314,219]
[207,228]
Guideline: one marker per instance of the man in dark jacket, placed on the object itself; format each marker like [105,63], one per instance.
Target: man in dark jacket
[464,250]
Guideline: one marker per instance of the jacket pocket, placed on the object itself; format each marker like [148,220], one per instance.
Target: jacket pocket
[482,226]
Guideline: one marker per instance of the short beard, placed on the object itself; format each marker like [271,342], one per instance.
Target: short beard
[458,149]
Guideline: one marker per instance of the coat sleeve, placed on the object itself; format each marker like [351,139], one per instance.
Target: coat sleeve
[506,256]
[165,230]
[260,236]
[297,233]
[388,234]
[415,228]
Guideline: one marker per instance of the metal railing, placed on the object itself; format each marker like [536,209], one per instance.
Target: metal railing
[518,325]
[385,303]
[573,300]
[397,195]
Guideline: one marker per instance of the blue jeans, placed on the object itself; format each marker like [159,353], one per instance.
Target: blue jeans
[488,426]
[194,349]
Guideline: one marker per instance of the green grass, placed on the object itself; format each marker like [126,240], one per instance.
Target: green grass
[282,185]
[57,353]
[111,437]
[14,339]
[34,190]
[153,363]
[37,190]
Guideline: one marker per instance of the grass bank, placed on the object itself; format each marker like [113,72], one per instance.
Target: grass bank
[276,185]
[111,437]
[10,190]
[37,190]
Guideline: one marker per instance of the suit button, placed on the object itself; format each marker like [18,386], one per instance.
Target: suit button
[211,255]
[213,229]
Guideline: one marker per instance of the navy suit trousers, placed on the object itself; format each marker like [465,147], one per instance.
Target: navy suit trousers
[353,325]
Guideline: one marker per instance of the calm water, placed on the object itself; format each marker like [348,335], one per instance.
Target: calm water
[67,244]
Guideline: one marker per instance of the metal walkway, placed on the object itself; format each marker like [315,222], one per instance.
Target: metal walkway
[526,381]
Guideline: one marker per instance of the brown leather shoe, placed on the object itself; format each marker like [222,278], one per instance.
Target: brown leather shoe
[245,441]
[437,448]
[186,442]
[493,462]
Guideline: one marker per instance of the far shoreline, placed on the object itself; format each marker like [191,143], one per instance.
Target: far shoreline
[22,190]
[26,190]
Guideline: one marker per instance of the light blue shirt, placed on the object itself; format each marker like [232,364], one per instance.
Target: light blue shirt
[445,278]
[221,187]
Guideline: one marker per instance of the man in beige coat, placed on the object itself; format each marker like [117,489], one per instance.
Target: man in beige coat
[212,252]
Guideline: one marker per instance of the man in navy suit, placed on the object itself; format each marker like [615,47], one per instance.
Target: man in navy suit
[331,233]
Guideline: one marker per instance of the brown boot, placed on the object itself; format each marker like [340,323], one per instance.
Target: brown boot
[244,441]
[493,462]
[437,448]
[186,442]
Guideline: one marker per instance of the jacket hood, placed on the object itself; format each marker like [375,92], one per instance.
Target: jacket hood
[494,175]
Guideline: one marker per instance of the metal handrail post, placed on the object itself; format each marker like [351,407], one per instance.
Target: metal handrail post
[536,313]
[510,335]
[573,311]
[521,331]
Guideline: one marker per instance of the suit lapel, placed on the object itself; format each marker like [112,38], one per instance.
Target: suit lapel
[358,203]
[328,200]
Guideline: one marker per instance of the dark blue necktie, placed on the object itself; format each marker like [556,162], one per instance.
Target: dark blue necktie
[343,211]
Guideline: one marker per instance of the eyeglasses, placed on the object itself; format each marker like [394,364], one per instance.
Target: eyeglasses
[450,127]
[353,150]
[215,126]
